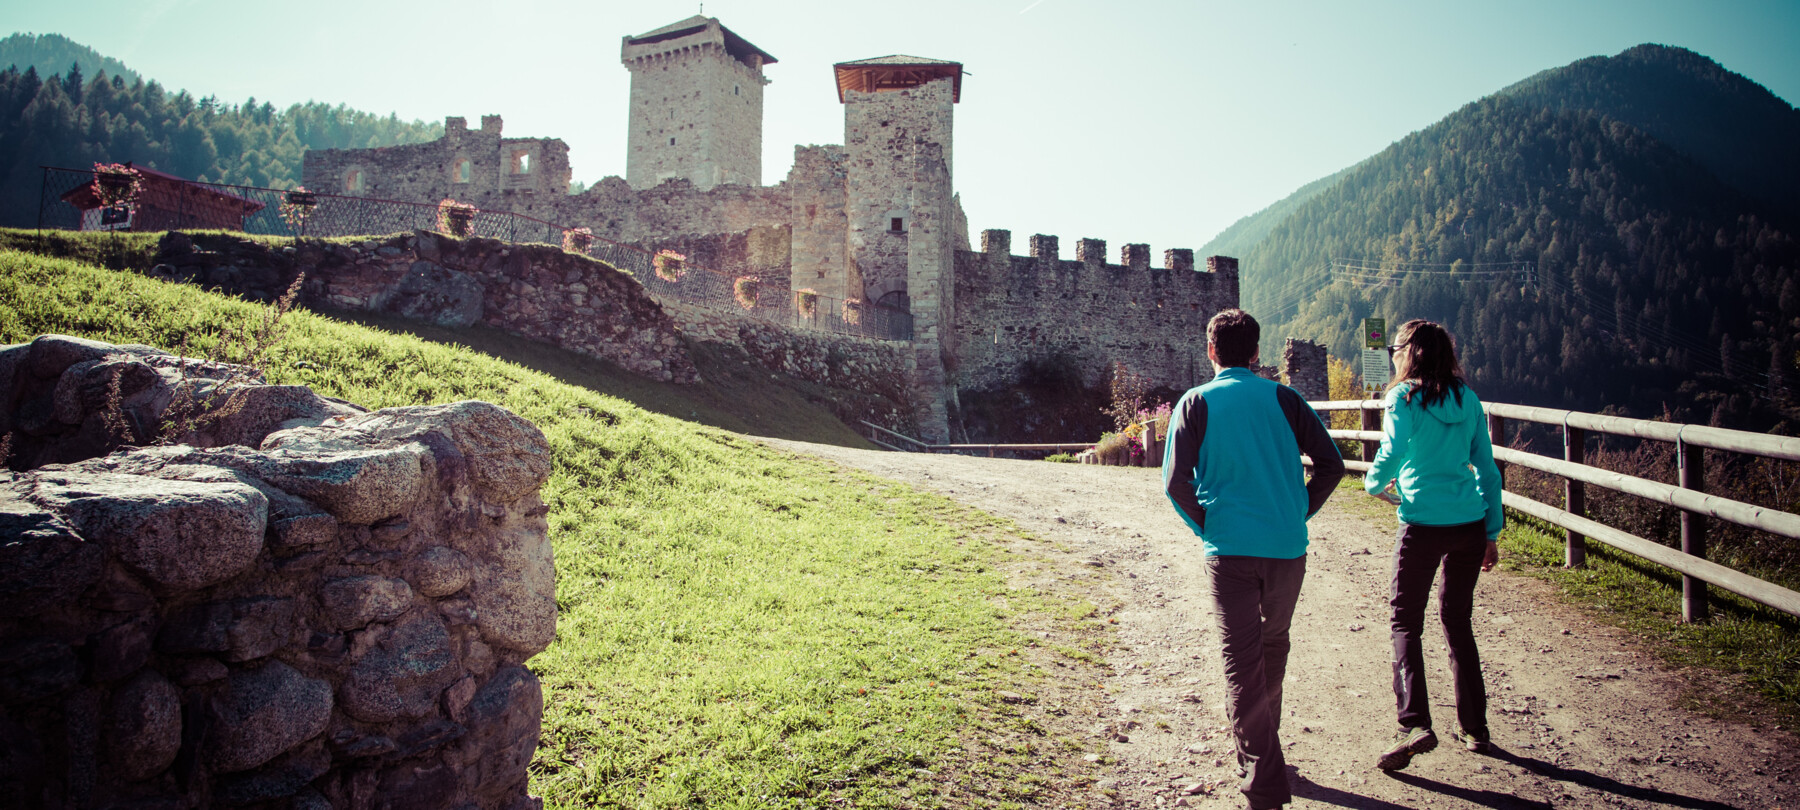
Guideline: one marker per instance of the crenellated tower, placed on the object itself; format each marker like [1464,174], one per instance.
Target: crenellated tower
[696,105]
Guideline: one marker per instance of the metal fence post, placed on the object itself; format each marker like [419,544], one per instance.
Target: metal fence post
[1574,497]
[1371,420]
[1692,463]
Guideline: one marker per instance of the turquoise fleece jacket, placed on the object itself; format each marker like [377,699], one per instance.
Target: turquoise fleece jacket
[1442,458]
[1233,469]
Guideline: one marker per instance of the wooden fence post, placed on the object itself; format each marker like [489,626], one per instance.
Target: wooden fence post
[1497,435]
[1574,497]
[1152,447]
[1371,420]
[1692,462]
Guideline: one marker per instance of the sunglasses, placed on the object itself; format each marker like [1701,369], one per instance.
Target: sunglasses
[1395,347]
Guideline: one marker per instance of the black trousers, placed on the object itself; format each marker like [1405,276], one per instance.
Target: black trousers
[1417,554]
[1253,605]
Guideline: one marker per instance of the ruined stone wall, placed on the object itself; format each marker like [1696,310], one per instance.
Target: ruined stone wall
[761,251]
[819,212]
[883,132]
[534,291]
[327,608]
[1303,364]
[1010,309]
[616,211]
[866,379]
[502,173]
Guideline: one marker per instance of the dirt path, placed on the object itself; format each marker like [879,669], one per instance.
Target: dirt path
[1580,717]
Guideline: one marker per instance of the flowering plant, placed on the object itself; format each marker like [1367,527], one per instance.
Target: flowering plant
[744,289]
[853,310]
[578,240]
[669,265]
[806,301]
[454,218]
[296,206]
[117,185]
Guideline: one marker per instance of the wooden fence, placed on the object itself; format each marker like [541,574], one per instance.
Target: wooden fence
[1691,442]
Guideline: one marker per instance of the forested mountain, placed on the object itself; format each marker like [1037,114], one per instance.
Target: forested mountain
[54,53]
[74,120]
[1582,261]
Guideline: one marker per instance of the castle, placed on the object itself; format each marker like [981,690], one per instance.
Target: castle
[875,219]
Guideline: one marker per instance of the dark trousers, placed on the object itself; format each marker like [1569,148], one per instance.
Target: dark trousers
[1416,558]
[1253,605]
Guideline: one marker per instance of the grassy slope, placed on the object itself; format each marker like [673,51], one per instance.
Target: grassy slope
[737,627]
[736,394]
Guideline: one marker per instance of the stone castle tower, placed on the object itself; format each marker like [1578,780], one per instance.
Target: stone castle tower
[696,105]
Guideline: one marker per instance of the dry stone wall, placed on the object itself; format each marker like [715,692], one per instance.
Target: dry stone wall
[535,291]
[1013,309]
[306,606]
[471,166]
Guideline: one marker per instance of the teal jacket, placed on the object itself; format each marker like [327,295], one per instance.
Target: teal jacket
[1233,468]
[1443,459]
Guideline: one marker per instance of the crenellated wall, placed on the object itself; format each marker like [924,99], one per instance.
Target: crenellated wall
[303,605]
[1013,309]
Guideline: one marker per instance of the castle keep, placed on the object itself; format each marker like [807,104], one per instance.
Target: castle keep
[876,219]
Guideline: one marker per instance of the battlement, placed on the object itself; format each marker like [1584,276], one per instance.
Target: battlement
[997,243]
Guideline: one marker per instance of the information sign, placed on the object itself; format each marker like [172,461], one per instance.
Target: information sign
[1375,333]
[1375,372]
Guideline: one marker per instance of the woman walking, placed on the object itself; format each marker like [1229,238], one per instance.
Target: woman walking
[1435,446]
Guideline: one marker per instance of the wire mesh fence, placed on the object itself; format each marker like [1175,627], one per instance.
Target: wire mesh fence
[69,201]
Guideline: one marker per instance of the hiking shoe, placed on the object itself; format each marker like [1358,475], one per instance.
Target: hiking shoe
[1477,743]
[1408,742]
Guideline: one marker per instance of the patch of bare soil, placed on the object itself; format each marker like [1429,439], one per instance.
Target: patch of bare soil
[1581,716]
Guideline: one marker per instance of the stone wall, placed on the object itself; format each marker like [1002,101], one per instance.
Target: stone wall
[1012,309]
[696,109]
[305,606]
[1303,363]
[884,134]
[471,166]
[866,379]
[535,291]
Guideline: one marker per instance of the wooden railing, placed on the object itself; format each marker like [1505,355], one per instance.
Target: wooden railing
[1691,442]
[916,446]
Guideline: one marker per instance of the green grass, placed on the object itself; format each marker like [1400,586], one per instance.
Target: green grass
[737,627]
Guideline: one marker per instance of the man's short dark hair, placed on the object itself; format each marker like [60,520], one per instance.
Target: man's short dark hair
[1234,336]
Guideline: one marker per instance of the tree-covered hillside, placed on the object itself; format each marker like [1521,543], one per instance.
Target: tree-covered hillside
[74,120]
[1581,261]
[54,53]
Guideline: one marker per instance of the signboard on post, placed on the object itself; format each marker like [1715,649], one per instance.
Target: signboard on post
[1375,371]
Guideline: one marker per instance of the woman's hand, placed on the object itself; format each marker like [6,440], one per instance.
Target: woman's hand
[1387,494]
[1491,557]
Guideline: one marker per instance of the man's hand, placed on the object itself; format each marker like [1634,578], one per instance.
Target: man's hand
[1491,557]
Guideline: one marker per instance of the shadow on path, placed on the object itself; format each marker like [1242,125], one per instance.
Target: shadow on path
[1607,784]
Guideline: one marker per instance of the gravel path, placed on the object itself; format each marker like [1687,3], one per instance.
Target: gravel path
[1580,716]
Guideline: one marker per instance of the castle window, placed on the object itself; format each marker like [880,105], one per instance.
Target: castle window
[521,161]
[734,90]
[671,141]
[812,211]
[896,224]
[461,172]
[354,181]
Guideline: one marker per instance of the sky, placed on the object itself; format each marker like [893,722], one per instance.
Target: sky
[1129,121]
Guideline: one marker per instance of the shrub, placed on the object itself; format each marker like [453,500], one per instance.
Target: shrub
[454,218]
[1061,458]
[578,240]
[806,302]
[669,265]
[745,290]
[296,206]
[1128,390]
[117,185]
[853,310]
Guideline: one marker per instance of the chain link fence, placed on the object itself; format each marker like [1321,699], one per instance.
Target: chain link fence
[69,202]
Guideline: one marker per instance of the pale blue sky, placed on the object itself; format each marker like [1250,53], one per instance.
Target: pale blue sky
[1130,121]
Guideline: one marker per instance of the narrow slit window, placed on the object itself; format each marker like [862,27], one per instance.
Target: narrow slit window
[671,141]
[895,223]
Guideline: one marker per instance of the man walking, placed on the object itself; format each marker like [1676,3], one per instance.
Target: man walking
[1233,471]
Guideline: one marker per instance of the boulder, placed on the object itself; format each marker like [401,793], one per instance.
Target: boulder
[181,535]
[264,712]
[144,726]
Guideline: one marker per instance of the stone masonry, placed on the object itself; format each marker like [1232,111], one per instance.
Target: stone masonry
[876,219]
[303,605]
[696,105]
